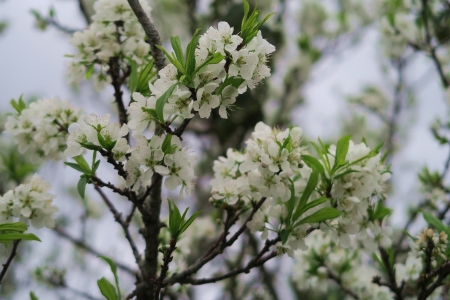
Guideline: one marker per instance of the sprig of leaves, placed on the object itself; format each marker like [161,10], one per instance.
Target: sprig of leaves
[10,232]
[82,166]
[177,222]
[250,24]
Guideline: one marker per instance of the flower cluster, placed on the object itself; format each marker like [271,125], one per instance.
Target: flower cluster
[224,68]
[40,130]
[97,131]
[114,32]
[352,191]
[271,158]
[315,268]
[29,201]
[164,155]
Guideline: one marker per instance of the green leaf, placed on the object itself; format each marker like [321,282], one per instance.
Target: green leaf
[189,221]
[113,267]
[312,204]
[89,72]
[166,143]
[310,186]
[211,60]
[284,235]
[90,146]
[176,45]
[18,226]
[133,79]
[190,54]
[151,112]
[435,222]
[341,150]
[145,76]
[8,237]
[82,163]
[173,60]
[321,215]
[20,105]
[162,101]
[96,165]
[107,289]
[33,296]
[174,220]
[290,204]
[81,186]
[246,10]
[313,163]
[75,166]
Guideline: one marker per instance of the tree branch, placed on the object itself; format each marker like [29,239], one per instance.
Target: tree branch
[10,259]
[81,244]
[124,225]
[151,32]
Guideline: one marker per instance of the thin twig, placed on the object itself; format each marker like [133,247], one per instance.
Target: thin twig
[81,244]
[10,259]
[123,224]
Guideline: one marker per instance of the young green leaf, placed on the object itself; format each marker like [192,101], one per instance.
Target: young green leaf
[321,215]
[284,235]
[341,150]
[189,221]
[174,220]
[435,222]
[173,60]
[176,45]
[8,237]
[166,143]
[310,186]
[133,79]
[190,54]
[311,205]
[81,186]
[18,226]
[82,163]
[33,296]
[107,289]
[75,166]
[313,163]
[89,72]
[113,267]
[162,101]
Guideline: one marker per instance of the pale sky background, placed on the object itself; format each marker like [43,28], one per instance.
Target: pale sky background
[33,63]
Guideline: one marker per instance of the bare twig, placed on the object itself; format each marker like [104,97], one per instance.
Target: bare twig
[256,261]
[81,244]
[9,260]
[123,224]
[165,267]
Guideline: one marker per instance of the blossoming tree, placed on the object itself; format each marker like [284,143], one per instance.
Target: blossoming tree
[322,204]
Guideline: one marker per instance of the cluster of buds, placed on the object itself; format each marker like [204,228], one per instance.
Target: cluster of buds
[430,238]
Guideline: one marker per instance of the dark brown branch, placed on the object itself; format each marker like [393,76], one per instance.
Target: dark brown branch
[81,244]
[117,80]
[116,164]
[150,233]
[165,267]
[10,259]
[257,261]
[151,32]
